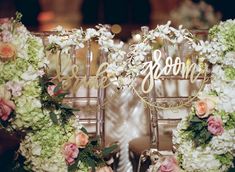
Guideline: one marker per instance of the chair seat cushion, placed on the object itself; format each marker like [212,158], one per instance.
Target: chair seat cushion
[140,144]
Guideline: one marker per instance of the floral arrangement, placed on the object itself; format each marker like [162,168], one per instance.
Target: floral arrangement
[30,103]
[195,15]
[205,140]
[64,40]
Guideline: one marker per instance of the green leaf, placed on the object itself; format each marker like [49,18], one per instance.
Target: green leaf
[54,118]
[94,141]
[91,163]
[63,106]
[225,158]
[62,95]
[196,119]
[73,167]
[106,151]
[84,130]
[208,135]
[58,87]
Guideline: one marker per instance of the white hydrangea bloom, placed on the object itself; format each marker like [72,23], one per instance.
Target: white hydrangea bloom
[30,75]
[198,159]
[229,58]
[224,143]
[90,33]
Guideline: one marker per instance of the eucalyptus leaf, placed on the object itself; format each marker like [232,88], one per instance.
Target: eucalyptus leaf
[106,151]
[54,118]
[196,119]
[84,130]
[58,87]
[91,163]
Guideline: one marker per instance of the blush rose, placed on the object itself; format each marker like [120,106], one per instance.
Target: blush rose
[70,152]
[6,107]
[215,125]
[169,165]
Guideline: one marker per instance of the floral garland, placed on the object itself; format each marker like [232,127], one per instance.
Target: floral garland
[64,40]
[125,72]
[30,103]
[139,53]
[205,140]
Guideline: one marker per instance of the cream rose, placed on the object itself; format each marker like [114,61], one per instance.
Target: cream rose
[80,139]
[204,107]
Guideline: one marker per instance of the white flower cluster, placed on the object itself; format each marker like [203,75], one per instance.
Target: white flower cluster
[198,159]
[77,38]
[226,95]
[213,50]
[229,58]
[224,143]
[116,56]
[166,32]
[67,39]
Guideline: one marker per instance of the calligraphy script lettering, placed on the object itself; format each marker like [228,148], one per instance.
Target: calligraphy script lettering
[153,70]
[74,81]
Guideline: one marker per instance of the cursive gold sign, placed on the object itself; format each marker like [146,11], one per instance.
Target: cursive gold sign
[155,69]
[73,80]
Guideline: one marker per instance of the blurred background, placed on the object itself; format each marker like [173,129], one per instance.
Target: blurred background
[125,15]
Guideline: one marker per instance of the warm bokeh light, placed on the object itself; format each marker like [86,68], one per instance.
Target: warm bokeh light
[116,28]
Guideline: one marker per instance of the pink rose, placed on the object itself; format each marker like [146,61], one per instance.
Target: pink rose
[204,108]
[104,169]
[81,139]
[70,152]
[169,165]
[215,125]
[6,107]
[51,90]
